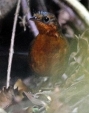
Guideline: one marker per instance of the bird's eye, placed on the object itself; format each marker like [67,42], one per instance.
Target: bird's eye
[45,19]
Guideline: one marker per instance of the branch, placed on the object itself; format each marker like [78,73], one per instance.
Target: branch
[12,44]
[27,14]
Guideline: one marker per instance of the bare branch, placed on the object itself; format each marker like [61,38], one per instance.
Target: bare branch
[12,44]
[27,14]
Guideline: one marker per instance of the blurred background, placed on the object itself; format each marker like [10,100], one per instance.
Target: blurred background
[71,24]
[75,90]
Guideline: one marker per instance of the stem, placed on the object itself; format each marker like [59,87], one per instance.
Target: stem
[27,12]
[12,44]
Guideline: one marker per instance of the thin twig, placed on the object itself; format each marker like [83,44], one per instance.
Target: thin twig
[27,14]
[12,44]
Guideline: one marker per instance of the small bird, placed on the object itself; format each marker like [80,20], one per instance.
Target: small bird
[49,51]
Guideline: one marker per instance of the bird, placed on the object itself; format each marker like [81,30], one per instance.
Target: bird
[49,50]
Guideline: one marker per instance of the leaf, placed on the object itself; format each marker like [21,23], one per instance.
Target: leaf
[34,100]
[21,87]
[6,97]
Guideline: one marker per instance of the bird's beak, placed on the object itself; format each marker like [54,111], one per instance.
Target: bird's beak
[33,18]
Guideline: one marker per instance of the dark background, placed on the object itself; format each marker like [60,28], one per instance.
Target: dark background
[20,68]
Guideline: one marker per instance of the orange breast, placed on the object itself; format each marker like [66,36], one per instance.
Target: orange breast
[48,55]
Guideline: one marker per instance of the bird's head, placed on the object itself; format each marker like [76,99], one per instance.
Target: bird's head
[45,21]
